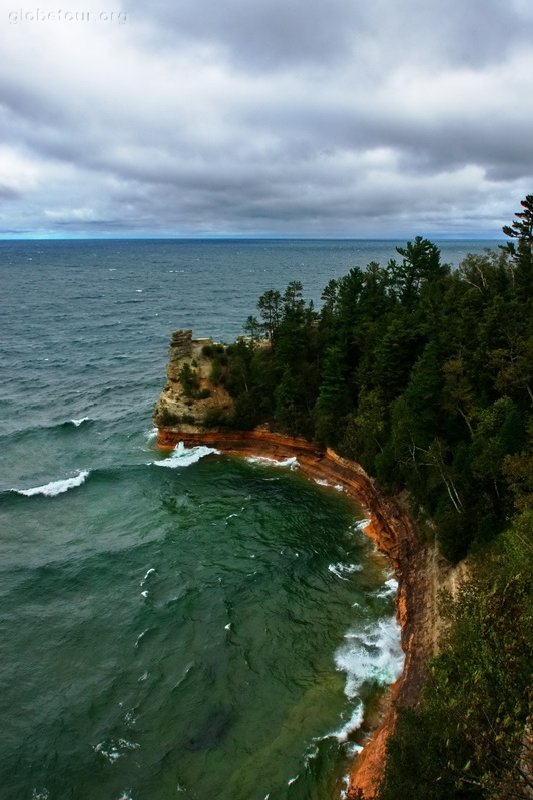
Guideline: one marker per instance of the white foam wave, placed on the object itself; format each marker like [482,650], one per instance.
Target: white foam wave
[112,750]
[389,589]
[323,482]
[141,636]
[40,794]
[352,749]
[311,754]
[339,568]
[351,725]
[109,752]
[346,785]
[184,457]
[125,795]
[130,718]
[55,487]
[151,571]
[372,654]
[78,422]
[151,434]
[292,463]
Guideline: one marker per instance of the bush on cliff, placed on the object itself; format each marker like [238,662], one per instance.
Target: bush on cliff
[167,418]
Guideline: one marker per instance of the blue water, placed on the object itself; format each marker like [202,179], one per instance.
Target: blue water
[211,630]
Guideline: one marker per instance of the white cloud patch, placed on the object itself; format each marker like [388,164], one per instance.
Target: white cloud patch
[18,174]
[357,118]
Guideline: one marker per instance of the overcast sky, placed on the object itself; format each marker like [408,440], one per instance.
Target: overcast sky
[355,118]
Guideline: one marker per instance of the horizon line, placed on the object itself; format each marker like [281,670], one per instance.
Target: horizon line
[253,238]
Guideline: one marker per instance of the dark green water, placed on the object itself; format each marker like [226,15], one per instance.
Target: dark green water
[181,632]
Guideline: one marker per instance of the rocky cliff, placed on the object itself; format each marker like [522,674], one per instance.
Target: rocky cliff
[420,572]
[190,395]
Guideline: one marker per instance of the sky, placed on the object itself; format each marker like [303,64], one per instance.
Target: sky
[312,118]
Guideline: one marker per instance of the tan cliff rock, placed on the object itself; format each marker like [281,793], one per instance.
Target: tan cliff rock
[181,410]
[420,571]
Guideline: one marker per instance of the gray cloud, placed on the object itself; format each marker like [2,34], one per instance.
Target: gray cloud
[285,118]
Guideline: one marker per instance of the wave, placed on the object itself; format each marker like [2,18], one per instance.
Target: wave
[323,482]
[40,794]
[292,463]
[113,750]
[78,422]
[54,488]
[373,654]
[339,569]
[389,589]
[184,457]
[66,426]
[342,734]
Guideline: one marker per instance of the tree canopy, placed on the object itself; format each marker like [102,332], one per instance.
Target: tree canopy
[420,372]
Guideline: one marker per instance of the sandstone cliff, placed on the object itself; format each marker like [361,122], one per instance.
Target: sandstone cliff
[189,395]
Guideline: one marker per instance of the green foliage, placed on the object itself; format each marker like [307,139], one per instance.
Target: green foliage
[366,431]
[269,307]
[212,350]
[467,736]
[166,419]
[215,418]
[420,372]
[189,380]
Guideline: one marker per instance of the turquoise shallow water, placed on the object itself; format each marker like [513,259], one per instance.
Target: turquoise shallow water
[205,631]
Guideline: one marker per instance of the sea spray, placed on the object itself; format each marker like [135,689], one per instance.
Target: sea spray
[373,654]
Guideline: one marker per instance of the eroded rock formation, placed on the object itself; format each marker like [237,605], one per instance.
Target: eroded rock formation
[189,395]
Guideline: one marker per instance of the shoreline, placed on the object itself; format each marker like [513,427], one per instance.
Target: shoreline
[415,567]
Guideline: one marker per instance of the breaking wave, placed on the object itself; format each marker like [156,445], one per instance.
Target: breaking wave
[373,654]
[291,463]
[183,457]
[54,488]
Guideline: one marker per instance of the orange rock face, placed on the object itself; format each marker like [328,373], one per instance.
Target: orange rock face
[393,532]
